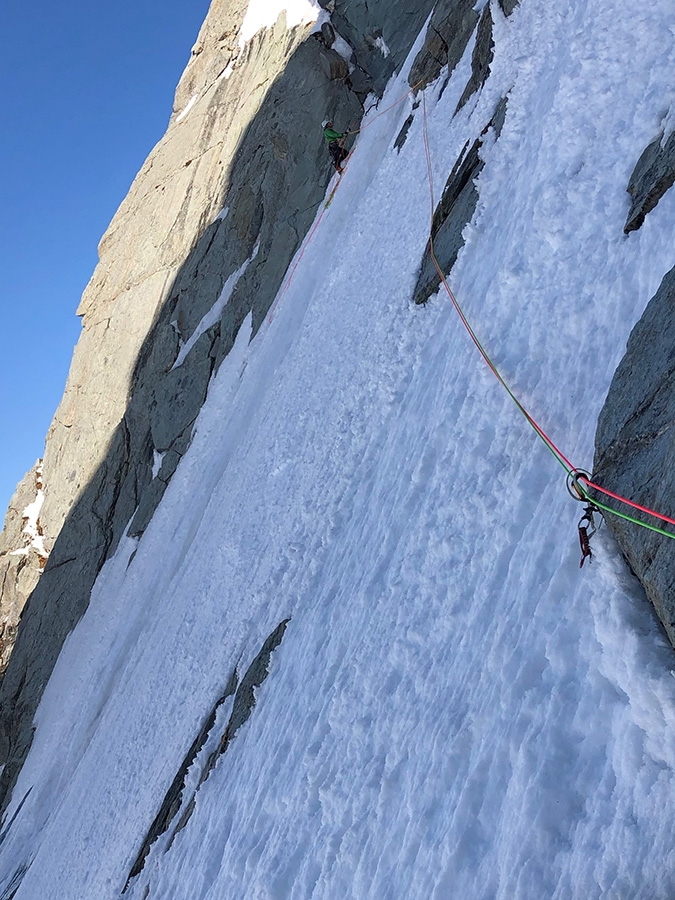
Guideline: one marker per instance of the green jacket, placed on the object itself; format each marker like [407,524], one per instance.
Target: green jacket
[331,135]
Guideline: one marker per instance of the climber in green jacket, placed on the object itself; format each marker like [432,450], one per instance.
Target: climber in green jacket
[335,148]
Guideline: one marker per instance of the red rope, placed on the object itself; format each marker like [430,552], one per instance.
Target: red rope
[386,110]
[552,446]
[532,421]
[540,431]
[644,509]
[297,263]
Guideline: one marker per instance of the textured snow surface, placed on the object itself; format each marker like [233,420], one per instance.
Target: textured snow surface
[455,711]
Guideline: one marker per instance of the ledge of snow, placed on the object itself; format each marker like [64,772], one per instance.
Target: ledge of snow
[264,13]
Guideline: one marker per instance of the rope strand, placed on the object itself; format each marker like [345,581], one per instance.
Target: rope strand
[556,452]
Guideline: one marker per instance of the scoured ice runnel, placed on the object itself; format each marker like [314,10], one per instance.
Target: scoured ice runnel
[455,710]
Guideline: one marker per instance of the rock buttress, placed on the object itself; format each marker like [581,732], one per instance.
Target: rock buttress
[635,447]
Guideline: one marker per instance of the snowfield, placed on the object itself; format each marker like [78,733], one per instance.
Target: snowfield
[455,710]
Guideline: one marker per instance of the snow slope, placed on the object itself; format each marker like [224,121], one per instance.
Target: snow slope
[455,709]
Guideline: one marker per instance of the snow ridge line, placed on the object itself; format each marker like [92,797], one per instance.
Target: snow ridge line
[576,474]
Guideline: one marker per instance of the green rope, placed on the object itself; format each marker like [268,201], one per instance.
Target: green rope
[555,452]
[615,512]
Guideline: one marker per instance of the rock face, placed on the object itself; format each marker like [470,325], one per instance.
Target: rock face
[22,557]
[243,703]
[448,34]
[651,178]
[455,210]
[634,442]
[635,446]
[481,57]
[380,34]
[201,242]
[508,6]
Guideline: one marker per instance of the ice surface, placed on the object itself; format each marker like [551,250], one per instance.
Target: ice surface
[456,711]
[668,124]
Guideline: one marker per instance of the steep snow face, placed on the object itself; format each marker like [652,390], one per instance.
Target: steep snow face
[455,709]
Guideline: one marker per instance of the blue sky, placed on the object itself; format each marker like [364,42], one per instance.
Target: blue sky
[87,92]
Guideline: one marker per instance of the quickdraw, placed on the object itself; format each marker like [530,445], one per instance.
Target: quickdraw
[587,529]
[586,525]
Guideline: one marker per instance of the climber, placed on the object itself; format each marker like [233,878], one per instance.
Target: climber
[587,529]
[335,148]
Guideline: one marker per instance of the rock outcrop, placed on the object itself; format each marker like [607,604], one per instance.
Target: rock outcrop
[481,57]
[635,446]
[653,175]
[634,441]
[454,211]
[22,557]
[508,6]
[243,703]
[380,35]
[450,29]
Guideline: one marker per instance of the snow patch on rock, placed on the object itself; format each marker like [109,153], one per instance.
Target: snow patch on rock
[31,518]
[341,46]
[187,109]
[381,45]
[212,316]
[264,13]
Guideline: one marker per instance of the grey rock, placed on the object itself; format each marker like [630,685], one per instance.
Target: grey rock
[361,83]
[455,210]
[362,22]
[483,53]
[328,34]
[635,447]
[151,492]
[402,136]
[451,26]
[653,175]
[257,672]
[21,563]
[508,6]
[333,65]
[164,261]
[172,801]
[242,707]
[179,395]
